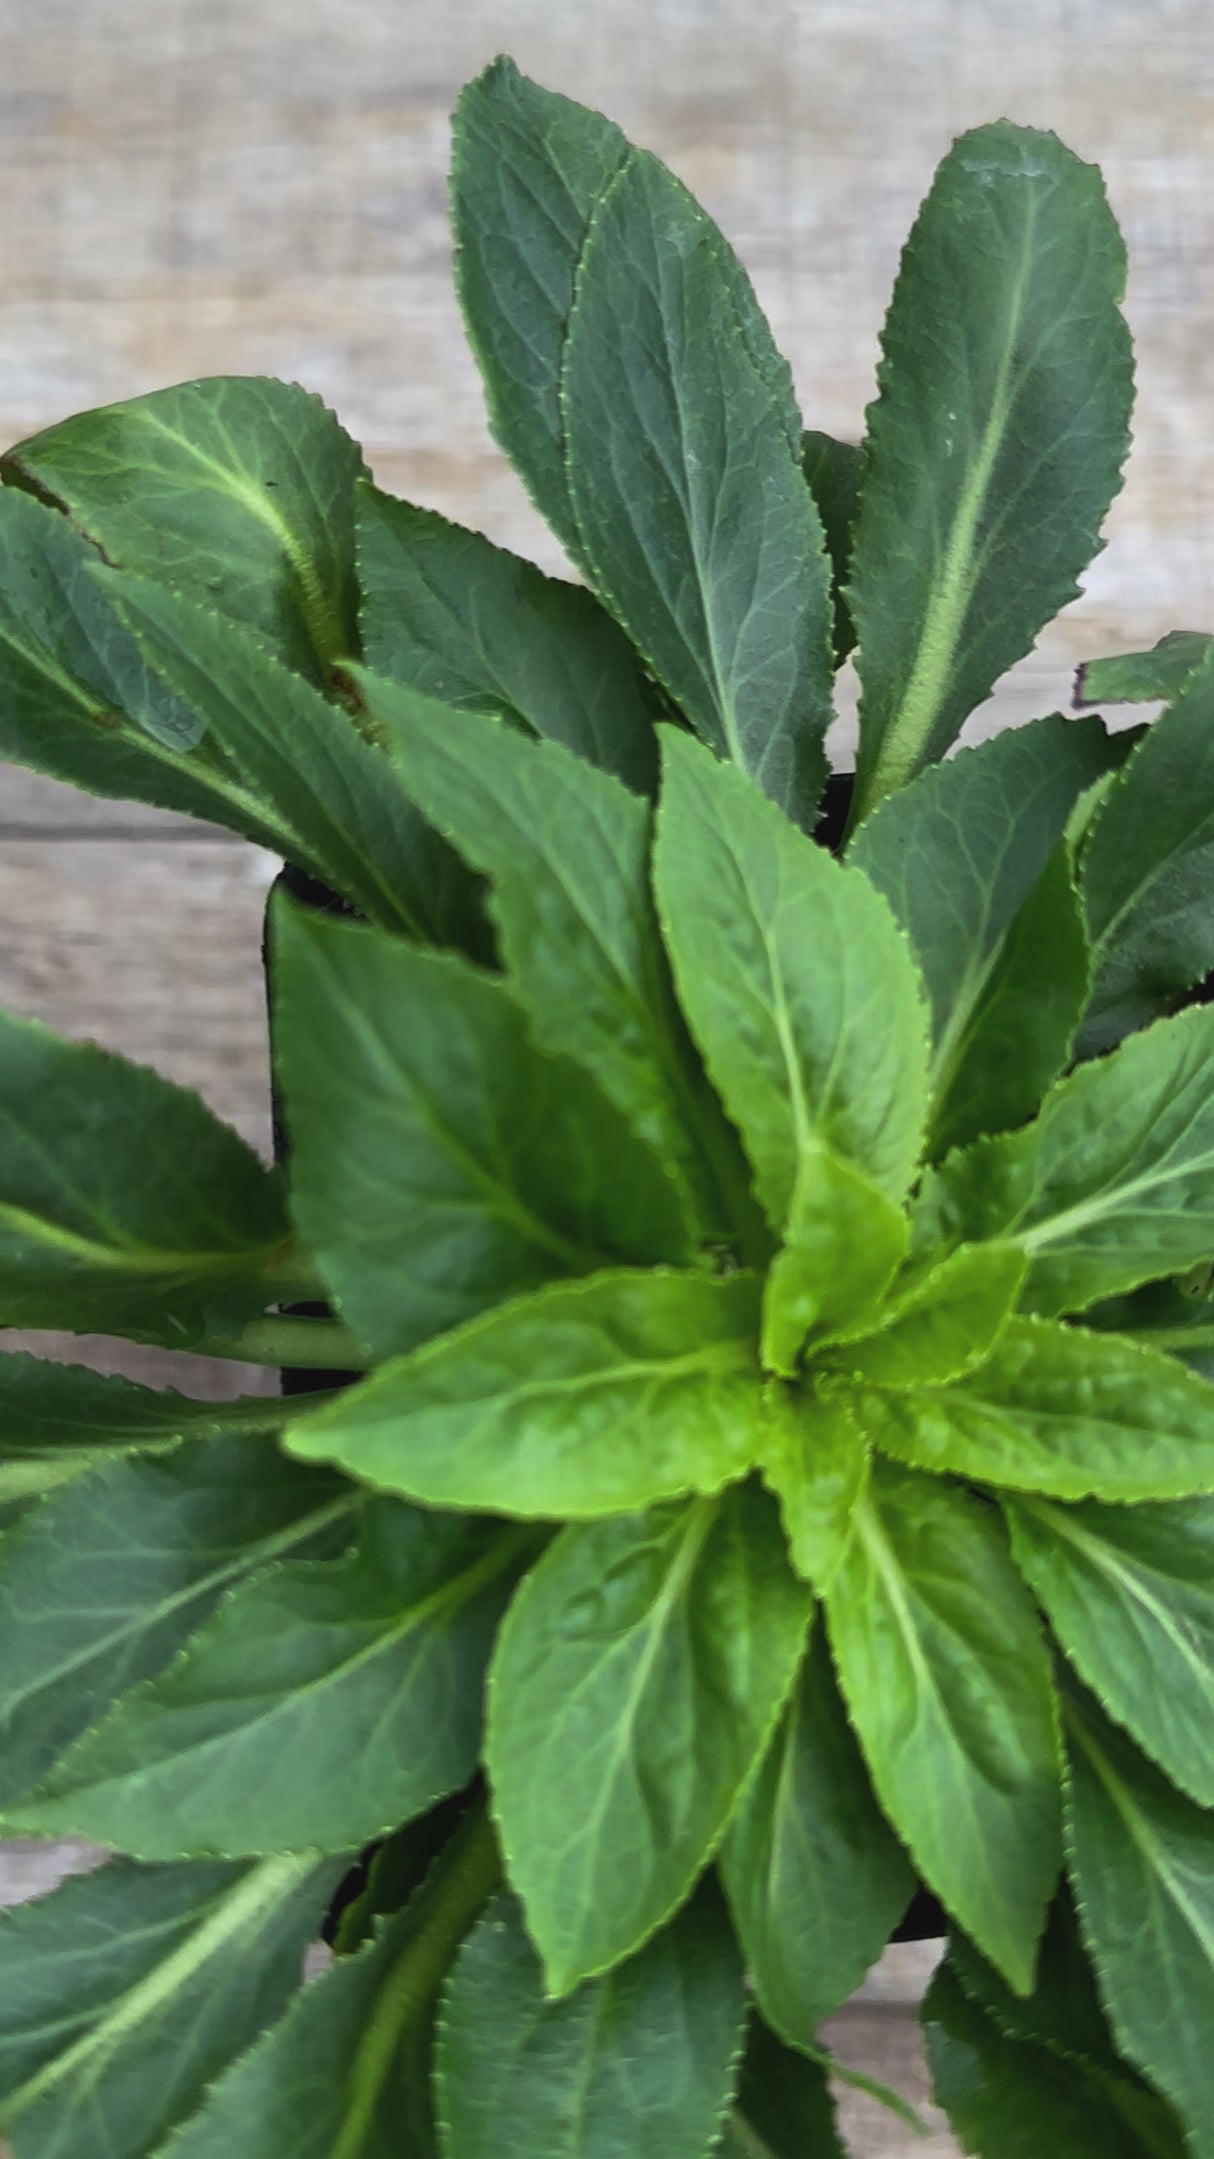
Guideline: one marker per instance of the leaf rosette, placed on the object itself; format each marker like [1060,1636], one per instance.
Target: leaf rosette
[759,1457]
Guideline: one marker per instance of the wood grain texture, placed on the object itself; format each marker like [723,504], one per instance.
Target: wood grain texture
[200,186]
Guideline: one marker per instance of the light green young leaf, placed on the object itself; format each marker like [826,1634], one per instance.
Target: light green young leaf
[145,1217]
[1141,678]
[103,1584]
[567,849]
[947,1683]
[346,2074]
[125,1993]
[323,1703]
[698,529]
[641,2060]
[1130,1595]
[797,983]
[945,1322]
[638,1675]
[815,1877]
[439,1160]
[585,1398]
[968,858]
[842,1246]
[785,2108]
[446,612]
[1112,1185]
[350,821]
[1140,1859]
[816,1461]
[1009,2100]
[996,442]
[59,1421]
[832,471]
[236,490]
[1146,869]
[1059,1410]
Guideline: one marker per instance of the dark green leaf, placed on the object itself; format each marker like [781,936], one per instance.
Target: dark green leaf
[103,1584]
[943,1323]
[947,1682]
[58,1421]
[641,2060]
[527,170]
[996,442]
[446,612]
[349,820]
[1175,1316]
[1146,870]
[1112,1185]
[815,1877]
[816,1461]
[237,490]
[324,1702]
[1059,1410]
[785,2109]
[842,1246]
[1130,1595]
[1012,2101]
[1063,2013]
[969,859]
[697,527]
[1143,1868]
[124,1994]
[125,1206]
[638,1675]
[567,849]
[833,472]
[1141,678]
[797,983]
[440,1162]
[586,1398]
[347,2073]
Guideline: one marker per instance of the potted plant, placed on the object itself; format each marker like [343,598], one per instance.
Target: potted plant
[771,1251]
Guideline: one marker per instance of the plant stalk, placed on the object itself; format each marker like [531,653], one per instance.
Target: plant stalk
[296,1343]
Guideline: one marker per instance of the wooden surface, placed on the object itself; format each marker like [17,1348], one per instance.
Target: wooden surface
[199,186]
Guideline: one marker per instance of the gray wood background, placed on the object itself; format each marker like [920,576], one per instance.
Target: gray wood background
[191,187]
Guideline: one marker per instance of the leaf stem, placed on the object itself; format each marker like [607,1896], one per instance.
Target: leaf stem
[449,1900]
[296,1343]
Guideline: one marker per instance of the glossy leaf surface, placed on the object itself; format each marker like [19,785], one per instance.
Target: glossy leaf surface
[446,612]
[323,1703]
[180,1966]
[815,1877]
[698,528]
[642,2059]
[946,1680]
[147,1216]
[996,442]
[797,984]
[1112,1185]
[587,1398]
[237,490]
[440,1162]
[638,1675]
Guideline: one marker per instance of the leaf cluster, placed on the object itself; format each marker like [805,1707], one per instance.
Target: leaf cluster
[769,1251]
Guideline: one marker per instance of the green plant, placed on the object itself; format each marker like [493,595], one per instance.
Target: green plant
[777,1255]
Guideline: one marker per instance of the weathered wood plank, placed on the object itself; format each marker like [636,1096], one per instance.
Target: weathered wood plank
[151,947]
